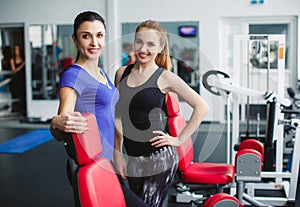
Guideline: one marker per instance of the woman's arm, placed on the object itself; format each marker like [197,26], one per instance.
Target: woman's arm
[119,161]
[13,66]
[171,82]
[67,121]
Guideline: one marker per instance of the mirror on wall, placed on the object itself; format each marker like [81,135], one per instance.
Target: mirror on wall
[183,44]
[11,36]
[52,50]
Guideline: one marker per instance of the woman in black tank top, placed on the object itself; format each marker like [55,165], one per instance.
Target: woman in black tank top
[17,85]
[141,116]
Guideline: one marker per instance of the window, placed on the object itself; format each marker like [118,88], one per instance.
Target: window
[271,29]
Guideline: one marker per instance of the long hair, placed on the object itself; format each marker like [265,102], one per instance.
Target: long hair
[83,17]
[162,59]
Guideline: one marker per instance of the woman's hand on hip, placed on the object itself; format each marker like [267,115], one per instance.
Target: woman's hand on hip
[164,139]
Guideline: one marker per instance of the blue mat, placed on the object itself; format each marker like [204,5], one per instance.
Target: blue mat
[26,142]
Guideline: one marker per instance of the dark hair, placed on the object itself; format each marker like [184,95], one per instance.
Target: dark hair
[20,51]
[83,17]
[6,51]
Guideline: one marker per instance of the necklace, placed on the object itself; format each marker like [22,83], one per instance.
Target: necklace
[105,79]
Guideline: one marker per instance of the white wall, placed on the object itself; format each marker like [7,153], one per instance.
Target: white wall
[208,12]
[45,11]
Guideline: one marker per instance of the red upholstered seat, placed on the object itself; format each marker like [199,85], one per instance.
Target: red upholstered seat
[248,151]
[194,172]
[209,173]
[98,184]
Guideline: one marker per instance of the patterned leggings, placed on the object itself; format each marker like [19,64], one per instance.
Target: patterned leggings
[151,177]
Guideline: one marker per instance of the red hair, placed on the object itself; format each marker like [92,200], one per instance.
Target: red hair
[162,59]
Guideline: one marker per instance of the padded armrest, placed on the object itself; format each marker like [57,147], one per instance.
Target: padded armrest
[99,185]
[88,145]
[253,144]
[248,165]
[172,103]
[220,199]
[248,151]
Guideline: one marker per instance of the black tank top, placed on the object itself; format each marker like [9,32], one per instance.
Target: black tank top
[142,110]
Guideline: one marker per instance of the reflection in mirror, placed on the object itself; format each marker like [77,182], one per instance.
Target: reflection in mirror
[12,85]
[52,50]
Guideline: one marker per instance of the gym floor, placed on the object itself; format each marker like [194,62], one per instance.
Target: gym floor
[37,177]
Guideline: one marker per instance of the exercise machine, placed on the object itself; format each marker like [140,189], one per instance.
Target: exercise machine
[203,182]
[95,182]
[196,179]
[248,162]
[284,184]
[6,100]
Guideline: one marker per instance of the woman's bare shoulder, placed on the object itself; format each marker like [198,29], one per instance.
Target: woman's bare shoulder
[119,74]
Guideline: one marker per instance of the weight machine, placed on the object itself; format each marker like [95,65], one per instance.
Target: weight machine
[279,182]
[6,100]
[282,185]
